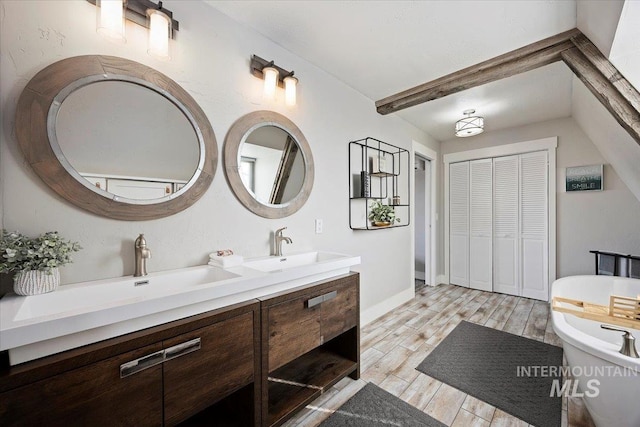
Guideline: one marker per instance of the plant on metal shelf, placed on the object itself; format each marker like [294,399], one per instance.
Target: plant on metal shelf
[382,215]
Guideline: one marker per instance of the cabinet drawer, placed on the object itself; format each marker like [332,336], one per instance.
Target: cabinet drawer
[200,377]
[294,329]
[339,313]
[93,395]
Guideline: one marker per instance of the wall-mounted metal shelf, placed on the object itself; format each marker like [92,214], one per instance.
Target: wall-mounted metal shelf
[378,171]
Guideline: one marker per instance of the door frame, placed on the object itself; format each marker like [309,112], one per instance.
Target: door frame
[430,217]
[549,144]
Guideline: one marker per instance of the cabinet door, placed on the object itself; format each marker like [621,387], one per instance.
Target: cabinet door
[93,395]
[339,311]
[197,374]
[294,329]
[134,189]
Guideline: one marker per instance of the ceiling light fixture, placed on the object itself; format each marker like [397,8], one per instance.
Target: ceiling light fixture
[469,125]
[273,77]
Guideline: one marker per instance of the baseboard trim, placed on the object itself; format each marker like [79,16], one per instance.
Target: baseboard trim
[440,279]
[420,275]
[372,313]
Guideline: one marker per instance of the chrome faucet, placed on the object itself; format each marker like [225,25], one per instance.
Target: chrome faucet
[278,238]
[628,341]
[142,254]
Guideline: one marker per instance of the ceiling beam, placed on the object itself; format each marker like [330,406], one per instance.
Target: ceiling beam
[606,68]
[518,61]
[606,88]
[606,83]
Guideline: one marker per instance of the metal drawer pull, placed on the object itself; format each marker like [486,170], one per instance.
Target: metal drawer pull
[322,298]
[314,301]
[141,364]
[331,295]
[182,349]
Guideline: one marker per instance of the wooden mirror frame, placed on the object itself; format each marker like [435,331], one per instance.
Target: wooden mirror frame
[237,135]
[31,131]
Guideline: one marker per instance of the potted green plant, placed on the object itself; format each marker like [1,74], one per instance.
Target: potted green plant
[382,215]
[35,261]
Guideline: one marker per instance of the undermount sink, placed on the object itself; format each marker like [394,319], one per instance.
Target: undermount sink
[83,296]
[285,262]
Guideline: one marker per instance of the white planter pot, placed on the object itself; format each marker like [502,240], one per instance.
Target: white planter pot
[34,282]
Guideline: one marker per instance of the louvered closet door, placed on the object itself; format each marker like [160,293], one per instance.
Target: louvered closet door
[505,225]
[480,222]
[459,223]
[534,222]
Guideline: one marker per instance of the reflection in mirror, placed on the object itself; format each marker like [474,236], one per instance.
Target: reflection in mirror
[127,140]
[271,165]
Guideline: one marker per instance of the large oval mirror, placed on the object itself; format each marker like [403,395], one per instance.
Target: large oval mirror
[116,137]
[269,164]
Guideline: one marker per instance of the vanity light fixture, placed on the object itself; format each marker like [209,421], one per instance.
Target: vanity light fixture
[273,77]
[110,19]
[469,125]
[290,87]
[111,14]
[159,33]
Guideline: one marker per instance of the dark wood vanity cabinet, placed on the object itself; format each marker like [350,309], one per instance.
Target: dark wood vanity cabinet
[159,376]
[224,364]
[310,342]
[89,395]
[253,363]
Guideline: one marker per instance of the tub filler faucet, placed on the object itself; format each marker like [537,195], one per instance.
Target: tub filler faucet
[278,238]
[142,254]
[628,341]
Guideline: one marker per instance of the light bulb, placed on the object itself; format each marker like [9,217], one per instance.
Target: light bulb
[270,75]
[159,34]
[290,88]
[110,19]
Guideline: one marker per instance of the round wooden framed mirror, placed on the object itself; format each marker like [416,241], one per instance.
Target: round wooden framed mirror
[116,138]
[268,164]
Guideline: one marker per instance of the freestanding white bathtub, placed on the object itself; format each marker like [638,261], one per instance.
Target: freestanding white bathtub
[592,353]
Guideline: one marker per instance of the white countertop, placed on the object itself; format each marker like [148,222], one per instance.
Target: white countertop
[87,312]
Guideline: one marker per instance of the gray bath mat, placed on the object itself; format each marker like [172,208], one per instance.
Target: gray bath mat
[484,363]
[372,406]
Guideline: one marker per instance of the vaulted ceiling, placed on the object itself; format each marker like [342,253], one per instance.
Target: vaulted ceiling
[383,47]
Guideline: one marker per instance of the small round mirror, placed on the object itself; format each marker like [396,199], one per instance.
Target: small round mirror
[269,164]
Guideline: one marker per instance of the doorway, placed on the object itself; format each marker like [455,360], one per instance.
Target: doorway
[424,214]
[422,241]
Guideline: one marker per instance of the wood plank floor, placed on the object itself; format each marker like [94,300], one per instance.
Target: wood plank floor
[393,345]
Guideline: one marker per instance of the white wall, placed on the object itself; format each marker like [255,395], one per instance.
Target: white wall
[211,61]
[598,20]
[607,220]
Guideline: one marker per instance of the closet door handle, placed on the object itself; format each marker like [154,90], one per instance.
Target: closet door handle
[141,364]
[182,349]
